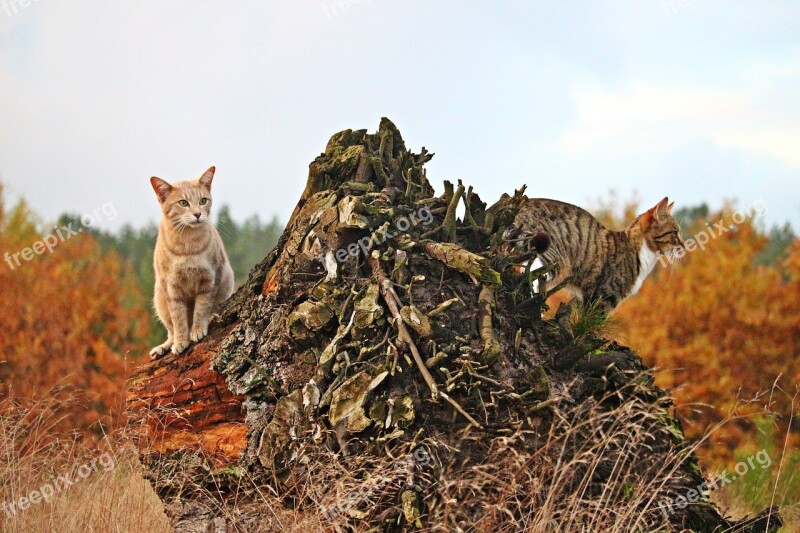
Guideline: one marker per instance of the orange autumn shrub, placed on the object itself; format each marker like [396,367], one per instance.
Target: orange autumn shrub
[71,318]
[721,328]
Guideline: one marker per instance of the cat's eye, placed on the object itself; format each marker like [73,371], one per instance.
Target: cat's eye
[183,203]
[203,201]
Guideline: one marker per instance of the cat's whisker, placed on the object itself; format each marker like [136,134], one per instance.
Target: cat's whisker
[677,262]
[223,230]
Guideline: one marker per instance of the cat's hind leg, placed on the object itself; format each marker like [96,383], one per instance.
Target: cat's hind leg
[224,290]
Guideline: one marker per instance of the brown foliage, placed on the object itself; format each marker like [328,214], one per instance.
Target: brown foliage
[722,329]
[69,319]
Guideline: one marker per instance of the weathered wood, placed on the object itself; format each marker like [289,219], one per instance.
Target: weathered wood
[178,404]
[458,258]
[391,299]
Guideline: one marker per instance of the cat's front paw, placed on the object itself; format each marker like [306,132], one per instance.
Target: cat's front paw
[198,333]
[179,347]
[160,350]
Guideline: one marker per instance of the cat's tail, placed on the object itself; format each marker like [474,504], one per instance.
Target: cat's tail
[540,241]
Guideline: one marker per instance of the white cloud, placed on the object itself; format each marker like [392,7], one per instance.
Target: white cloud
[782,143]
[658,118]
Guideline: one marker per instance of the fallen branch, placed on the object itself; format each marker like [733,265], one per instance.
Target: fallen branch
[457,258]
[491,346]
[392,301]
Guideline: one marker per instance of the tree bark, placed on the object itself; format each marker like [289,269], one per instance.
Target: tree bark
[179,403]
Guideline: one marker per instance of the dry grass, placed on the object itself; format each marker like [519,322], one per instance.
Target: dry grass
[591,474]
[112,497]
[593,469]
[589,471]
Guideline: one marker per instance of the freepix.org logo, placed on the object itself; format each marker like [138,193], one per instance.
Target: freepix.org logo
[12,7]
[699,240]
[48,491]
[760,459]
[378,236]
[59,235]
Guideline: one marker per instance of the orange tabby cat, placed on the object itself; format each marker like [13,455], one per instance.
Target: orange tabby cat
[193,275]
[602,265]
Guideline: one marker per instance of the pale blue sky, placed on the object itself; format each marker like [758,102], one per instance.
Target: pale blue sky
[695,99]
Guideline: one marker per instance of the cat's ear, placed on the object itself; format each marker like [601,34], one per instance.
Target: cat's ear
[161,187]
[660,210]
[669,208]
[646,219]
[206,179]
[652,215]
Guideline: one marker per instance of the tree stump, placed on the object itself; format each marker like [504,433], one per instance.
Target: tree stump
[386,366]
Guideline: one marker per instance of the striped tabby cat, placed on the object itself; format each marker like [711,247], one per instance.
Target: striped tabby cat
[193,275]
[601,265]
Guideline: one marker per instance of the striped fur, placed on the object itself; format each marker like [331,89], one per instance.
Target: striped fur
[601,264]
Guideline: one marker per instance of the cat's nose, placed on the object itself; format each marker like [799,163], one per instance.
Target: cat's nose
[197,216]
